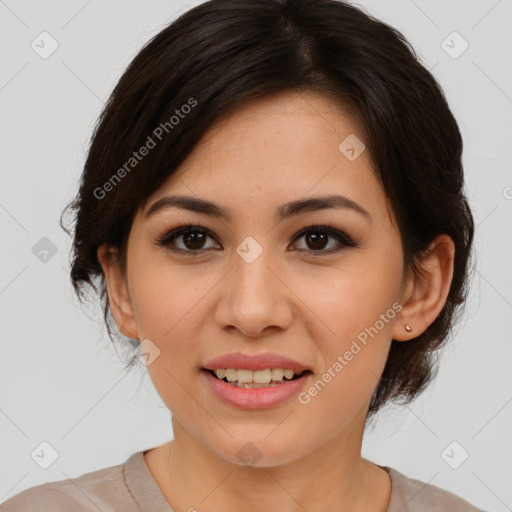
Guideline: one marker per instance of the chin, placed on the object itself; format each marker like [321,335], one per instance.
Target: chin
[257,451]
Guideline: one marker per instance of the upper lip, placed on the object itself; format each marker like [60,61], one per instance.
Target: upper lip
[255,362]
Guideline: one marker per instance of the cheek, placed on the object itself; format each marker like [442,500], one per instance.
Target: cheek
[359,307]
[354,353]
[169,302]
[352,302]
[364,312]
[368,295]
[166,296]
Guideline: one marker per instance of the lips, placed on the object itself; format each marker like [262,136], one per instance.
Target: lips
[255,398]
[255,362]
[262,396]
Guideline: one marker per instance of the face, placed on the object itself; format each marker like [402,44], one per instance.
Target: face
[255,283]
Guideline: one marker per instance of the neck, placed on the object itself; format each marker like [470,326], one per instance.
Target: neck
[332,477]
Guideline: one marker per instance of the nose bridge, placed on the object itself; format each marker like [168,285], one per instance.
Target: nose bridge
[252,275]
[255,298]
[251,267]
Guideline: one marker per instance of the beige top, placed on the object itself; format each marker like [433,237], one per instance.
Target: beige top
[130,487]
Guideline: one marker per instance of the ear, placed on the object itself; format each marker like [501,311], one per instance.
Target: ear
[425,295]
[118,293]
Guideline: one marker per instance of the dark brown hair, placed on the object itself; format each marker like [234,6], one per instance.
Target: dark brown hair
[224,52]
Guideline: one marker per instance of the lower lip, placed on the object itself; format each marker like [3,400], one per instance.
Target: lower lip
[255,398]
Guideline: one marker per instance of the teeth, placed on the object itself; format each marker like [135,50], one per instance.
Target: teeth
[242,376]
[245,376]
[277,374]
[288,374]
[231,374]
[262,376]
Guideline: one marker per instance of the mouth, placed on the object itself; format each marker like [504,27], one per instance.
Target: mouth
[253,379]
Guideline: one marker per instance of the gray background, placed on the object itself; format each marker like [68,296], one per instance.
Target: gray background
[62,383]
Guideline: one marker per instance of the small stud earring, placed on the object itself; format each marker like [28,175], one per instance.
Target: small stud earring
[408,328]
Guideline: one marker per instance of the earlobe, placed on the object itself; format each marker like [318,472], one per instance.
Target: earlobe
[425,294]
[118,293]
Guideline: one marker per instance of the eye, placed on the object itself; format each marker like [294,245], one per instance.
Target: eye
[317,237]
[191,239]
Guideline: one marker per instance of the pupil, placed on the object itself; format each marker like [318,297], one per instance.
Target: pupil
[316,238]
[194,237]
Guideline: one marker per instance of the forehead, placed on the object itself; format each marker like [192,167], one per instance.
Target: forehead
[276,149]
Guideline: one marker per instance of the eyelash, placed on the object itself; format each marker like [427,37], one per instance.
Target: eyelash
[169,235]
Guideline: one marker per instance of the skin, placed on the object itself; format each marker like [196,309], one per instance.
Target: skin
[310,308]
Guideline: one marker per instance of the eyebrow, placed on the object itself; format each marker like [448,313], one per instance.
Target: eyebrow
[287,210]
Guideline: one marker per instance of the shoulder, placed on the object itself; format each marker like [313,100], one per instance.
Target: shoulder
[104,489]
[41,498]
[410,495]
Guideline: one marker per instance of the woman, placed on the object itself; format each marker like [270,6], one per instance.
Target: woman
[272,211]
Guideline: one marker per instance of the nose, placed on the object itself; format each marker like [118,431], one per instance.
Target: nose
[254,297]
